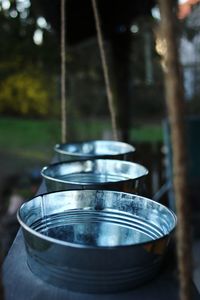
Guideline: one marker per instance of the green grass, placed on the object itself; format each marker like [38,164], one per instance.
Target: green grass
[27,144]
[36,138]
[31,139]
[94,129]
[22,132]
[147,133]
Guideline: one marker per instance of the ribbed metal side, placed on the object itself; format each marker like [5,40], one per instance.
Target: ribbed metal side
[95,241]
[92,177]
[94,282]
[60,223]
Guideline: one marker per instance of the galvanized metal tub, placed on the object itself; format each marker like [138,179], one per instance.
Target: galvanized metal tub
[94,149]
[95,241]
[95,174]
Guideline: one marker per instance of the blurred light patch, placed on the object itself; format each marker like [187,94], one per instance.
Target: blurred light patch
[13,13]
[184,9]
[41,22]
[22,5]
[182,1]
[5,4]
[38,37]
[161,46]
[155,12]
[24,14]
[134,28]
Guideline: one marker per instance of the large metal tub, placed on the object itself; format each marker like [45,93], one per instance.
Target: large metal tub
[94,149]
[95,240]
[95,174]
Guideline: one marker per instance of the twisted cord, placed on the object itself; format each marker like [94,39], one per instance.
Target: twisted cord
[104,62]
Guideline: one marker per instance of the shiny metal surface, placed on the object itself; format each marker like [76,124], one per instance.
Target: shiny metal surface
[94,149]
[95,240]
[95,174]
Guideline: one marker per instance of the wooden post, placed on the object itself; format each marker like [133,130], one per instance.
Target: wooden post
[175,105]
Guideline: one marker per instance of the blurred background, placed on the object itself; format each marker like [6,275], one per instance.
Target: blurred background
[30,90]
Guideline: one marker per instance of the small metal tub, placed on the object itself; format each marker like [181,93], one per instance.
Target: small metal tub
[95,174]
[95,241]
[94,149]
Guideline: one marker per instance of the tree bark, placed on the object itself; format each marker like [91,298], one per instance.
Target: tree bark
[175,106]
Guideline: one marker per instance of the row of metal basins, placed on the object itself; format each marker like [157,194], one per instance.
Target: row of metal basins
[94,231]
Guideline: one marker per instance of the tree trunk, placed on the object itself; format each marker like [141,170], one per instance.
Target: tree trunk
[175,106]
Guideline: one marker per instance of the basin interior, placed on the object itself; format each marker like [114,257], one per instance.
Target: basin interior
[97,218]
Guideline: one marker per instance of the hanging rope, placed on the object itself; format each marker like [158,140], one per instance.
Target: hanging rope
[63,75]
[104,61]
[175,105]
